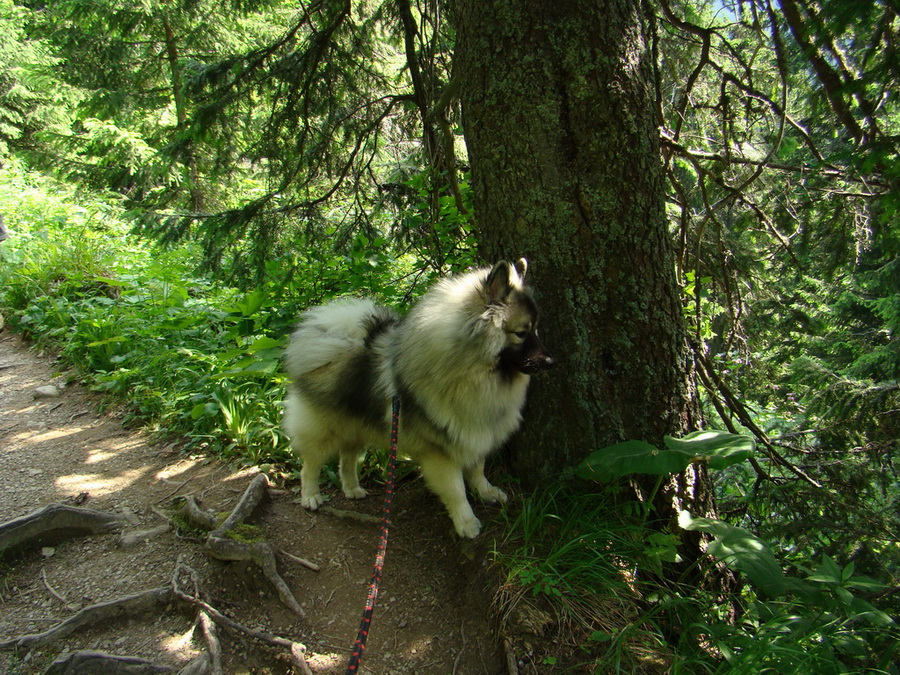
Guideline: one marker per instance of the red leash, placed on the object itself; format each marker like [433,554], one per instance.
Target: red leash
[360,646]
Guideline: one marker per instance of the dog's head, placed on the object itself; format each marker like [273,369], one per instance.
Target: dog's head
[515,313]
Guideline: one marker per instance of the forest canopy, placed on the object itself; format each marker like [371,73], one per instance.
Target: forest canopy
[282,153]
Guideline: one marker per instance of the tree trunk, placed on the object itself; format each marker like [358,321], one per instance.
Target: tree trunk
[560,124]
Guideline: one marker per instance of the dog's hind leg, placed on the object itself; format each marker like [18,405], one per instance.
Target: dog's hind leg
[349,469]
[309,446]
[482,486]
[445,478]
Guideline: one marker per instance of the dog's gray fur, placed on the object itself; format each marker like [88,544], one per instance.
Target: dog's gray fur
[460,361]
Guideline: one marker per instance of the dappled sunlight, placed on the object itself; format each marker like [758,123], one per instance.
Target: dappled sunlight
[100,484]
[327,662]
[98,456]
[187,468]
[30,437]
[179,468]
[180,644]
[416,648]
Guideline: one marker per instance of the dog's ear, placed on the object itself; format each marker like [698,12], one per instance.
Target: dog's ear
[499,282]
[521,268]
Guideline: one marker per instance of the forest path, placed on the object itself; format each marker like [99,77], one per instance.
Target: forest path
[433,614]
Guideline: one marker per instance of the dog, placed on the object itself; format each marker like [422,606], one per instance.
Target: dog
[460,361]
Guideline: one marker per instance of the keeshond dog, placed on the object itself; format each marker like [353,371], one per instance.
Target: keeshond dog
[460,362]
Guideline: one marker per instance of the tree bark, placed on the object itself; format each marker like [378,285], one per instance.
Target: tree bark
[559,120]
[558,114]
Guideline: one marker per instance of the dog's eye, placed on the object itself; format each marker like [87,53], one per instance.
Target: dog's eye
[521,334]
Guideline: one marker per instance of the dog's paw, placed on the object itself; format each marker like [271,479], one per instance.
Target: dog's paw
[312,502]
[467,528]
[494,495]
[355,493]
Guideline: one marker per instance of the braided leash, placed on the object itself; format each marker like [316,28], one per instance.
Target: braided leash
[360,646]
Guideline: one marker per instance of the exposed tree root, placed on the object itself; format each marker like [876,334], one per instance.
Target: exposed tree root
[100,663]
[223,543]
[89,616]
[208,617]
[57,519]
[297,650]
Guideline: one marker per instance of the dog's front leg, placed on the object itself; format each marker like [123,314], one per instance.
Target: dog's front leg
[349,469]
[445,478]
[482,486]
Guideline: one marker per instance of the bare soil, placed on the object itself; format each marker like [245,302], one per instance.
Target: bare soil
[433,614]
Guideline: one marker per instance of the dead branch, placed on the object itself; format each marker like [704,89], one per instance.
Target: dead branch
[308,564]
[350,515]
[55,593]
[57,519]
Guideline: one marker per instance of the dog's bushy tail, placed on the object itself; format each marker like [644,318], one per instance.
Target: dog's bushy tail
[331,333]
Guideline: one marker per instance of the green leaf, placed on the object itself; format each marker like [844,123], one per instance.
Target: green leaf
[250,303]
[202,409]
[740,550]
[98,343]
[265,343]
[718,449]
[622,459]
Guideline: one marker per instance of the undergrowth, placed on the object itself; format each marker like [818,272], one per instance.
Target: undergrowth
[200,361]
[584,591]
[180,354]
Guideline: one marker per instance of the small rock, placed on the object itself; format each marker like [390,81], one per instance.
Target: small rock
[46,391]
[129,539]
[48,551]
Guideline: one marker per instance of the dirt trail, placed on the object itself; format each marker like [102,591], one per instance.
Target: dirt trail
[433,614]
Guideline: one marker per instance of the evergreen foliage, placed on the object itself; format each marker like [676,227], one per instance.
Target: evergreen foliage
[287,153]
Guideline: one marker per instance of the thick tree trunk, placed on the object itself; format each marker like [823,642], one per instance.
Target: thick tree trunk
[559,120]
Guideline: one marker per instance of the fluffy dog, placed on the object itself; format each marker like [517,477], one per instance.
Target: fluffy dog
[460,361]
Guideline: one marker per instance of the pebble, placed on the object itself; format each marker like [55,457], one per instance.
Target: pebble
[46,391]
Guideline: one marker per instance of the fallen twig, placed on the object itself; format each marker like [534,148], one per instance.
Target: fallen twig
[54,592]
[350,515]
[302,561]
